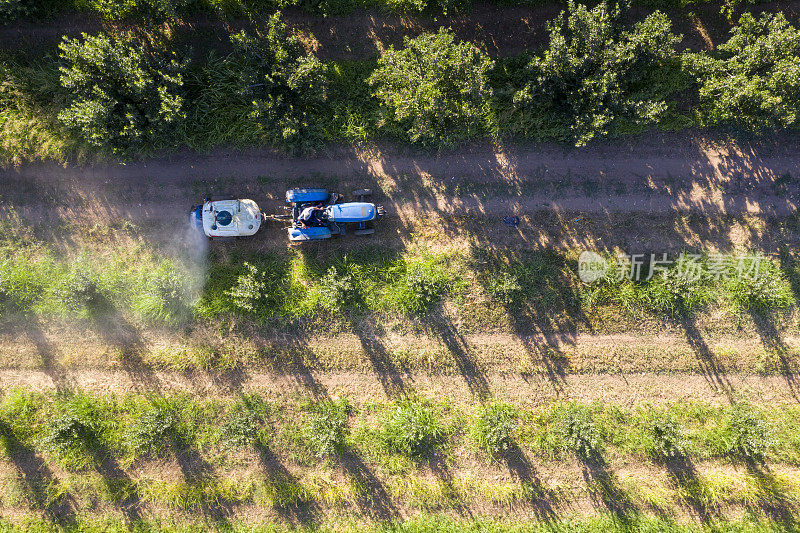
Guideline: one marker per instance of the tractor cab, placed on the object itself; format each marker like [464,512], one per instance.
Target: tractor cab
[334,218]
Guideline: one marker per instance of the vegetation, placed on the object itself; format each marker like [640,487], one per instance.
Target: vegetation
[123,97]
[753,82]
[412,428]
[493,428]
[84,434]
[434,89]
[285,85]
[326,429]
[595,75]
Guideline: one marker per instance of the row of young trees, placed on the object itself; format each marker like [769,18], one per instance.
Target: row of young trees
[596,77]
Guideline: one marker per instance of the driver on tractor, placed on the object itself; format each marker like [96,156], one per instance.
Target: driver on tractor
[311,216]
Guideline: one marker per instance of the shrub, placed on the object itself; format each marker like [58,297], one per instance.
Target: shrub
[425,283]
[504,287]
[251,290]
[579,432]
[241,429]
[14,9]
[493,428]
[753,82]
[164,297]
[287,87]
[71,430]
[151,431]
[412,428]
[749,434]
[677,291]
[124,96]
[141,9]
[21,284]
[326,429]
[764,291]
[336,290]
[595,75]
[667,438]
[81,290]
[434,89]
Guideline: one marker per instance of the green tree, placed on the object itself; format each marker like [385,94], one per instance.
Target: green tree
[13,9]
[287,86]
[124,96]
[754,80]
[595,74]
[434,89]
[119,9]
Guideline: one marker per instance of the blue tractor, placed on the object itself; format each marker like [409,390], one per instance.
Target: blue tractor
[317,214]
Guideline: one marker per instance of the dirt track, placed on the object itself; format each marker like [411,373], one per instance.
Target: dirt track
[524,390]
[660,191]
[661,178]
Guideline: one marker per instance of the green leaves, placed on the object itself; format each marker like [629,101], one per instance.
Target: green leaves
[124,96]
[493,428]
[434,89]
[287,87]
[755,82]
[595,75]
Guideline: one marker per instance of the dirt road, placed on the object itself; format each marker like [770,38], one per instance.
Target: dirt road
[685,191]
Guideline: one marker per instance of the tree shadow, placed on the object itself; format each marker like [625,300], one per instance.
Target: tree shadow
[372,498]
[683,475]
[293,363]
[773,498]
[196,470]
[301,510]
[442,328]
[544,501]
[604,489]
[389,374]
[117,481]
[39,480]
[539,295]
[437,462]
[120,333]
[773,343]
[712,371]
[48,352]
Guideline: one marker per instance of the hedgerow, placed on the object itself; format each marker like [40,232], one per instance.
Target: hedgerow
[599,76]
[123,97]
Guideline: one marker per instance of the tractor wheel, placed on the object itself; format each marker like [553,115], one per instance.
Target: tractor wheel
[368,231]
[362,192]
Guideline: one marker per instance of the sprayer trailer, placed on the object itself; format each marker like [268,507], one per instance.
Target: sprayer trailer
[317,214]
[227,218]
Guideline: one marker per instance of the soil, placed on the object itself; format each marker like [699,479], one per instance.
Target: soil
[501,30]
[658,192]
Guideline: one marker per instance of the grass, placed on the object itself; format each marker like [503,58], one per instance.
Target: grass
[223,442]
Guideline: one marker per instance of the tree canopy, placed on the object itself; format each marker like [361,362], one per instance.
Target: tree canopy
[754,82]
[287,86]
[124,96]
[595,74]
[434,89]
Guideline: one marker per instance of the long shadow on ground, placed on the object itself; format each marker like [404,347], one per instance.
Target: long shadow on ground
[39,481]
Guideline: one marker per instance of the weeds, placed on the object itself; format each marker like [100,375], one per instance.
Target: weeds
[412,428]
[749,434]
[493,427]
[325,431]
